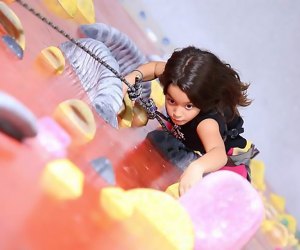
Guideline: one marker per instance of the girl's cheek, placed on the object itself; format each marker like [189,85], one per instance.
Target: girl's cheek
[169,109]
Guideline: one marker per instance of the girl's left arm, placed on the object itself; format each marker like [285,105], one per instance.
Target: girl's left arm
[214,158]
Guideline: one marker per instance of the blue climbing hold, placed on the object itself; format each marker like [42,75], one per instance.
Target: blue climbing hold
[13,46]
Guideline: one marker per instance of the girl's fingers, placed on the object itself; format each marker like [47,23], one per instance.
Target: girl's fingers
[183,188]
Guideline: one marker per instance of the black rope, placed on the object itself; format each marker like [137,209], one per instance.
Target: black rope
[133,90]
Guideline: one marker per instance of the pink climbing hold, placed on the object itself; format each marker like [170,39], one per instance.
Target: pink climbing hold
[225,209]
[52,137]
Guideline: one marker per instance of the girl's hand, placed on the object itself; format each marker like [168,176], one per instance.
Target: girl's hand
[190,177]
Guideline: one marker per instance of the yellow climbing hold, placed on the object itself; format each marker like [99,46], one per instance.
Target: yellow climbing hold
[125,116]
[270,212]
[258,174]
[115,203]
[150,213]
[275,233]
[12,24]
[173,190]
[85,12]
[157,94]
[62,8]
[278,202]
[62,179]
[140,117]
[52,60]
[76,117]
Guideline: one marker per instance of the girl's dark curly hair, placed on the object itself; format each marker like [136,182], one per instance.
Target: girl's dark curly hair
[209,83]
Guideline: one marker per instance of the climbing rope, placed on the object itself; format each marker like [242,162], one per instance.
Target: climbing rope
[134,91]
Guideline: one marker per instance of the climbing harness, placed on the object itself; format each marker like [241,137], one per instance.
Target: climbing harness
[134,91]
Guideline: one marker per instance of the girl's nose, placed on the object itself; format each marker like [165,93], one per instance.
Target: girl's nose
[176,113]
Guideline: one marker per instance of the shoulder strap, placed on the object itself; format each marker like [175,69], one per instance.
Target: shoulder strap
[234,128]
[237,129]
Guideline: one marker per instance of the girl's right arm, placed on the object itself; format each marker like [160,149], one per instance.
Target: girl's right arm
[147,72]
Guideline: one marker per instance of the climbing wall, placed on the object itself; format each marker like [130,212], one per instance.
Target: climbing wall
[69,180]
[39,209]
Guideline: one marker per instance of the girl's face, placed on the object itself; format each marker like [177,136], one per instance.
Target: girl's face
[179,107]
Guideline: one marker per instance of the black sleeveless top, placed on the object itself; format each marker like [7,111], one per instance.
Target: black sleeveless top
[229,131]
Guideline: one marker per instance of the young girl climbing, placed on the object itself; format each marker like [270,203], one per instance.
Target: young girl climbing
[202,95]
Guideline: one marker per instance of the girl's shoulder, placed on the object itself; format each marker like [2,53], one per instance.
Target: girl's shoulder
[218,117]
[215,115]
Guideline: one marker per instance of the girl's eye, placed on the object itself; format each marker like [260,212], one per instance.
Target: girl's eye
[189,106]
[171,101]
